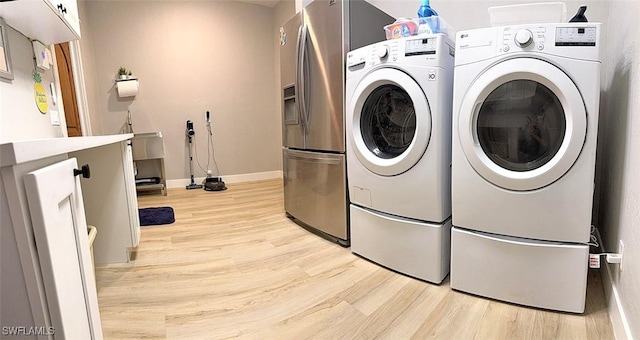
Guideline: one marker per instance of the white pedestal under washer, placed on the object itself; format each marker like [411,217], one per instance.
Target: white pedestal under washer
[525,118]
[398,106]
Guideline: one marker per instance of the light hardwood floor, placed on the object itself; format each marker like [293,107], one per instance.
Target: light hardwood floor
[232,265]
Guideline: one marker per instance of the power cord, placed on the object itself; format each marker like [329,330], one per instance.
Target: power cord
[210,152]
[594,258]
[594,238]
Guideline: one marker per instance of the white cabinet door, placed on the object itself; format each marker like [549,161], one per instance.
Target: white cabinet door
[55,203]
[50,22]
[68,11]
[132,197]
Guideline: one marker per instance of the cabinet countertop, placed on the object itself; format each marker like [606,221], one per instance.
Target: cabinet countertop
[17,152]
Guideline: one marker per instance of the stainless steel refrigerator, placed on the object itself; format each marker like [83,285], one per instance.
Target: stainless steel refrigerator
[313,48]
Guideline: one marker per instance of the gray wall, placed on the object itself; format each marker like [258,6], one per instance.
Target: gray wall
[190,57]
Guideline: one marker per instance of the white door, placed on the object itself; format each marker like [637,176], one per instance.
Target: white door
[390,122]
[57,212]
[522,124]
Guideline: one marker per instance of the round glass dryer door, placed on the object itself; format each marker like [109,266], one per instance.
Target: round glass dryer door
[522,124]
[391,122]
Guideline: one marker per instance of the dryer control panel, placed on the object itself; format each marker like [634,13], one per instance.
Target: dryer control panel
[576,36]
[579,40]
[519,38]
[572,39]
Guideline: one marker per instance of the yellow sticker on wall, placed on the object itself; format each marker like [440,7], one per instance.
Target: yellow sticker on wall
[40,94]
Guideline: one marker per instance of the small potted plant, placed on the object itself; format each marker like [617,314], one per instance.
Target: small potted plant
[122,72]
[130,75]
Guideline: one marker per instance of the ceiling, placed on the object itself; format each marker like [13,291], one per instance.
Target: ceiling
[267,3]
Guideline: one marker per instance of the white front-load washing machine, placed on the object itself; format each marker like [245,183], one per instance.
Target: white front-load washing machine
[398,106]
[525,119]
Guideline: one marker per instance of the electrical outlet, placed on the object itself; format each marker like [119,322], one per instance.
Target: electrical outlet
[621,252]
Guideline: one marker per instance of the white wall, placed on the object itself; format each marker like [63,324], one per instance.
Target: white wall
[190,57]
[19,116]
[89,68]
[619,161]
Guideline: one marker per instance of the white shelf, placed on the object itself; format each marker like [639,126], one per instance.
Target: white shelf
[149,187]
[148,154]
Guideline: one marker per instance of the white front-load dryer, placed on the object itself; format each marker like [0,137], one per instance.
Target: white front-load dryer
[525,118]
[398,106]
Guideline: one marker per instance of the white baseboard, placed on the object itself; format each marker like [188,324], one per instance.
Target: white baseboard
[256,176]
[619,323]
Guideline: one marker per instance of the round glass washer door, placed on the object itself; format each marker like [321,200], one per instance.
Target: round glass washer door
[522,124]
[390,122]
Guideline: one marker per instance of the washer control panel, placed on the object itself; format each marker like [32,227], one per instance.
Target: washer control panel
[418,51]
[393,50]
[384,52]
[420,46]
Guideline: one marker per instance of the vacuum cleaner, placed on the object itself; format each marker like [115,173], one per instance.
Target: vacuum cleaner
[212,183]
[190,134]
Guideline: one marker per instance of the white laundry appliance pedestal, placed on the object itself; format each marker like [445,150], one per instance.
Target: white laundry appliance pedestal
[540,274]
[415,248]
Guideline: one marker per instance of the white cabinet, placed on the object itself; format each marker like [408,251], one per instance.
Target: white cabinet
[50,22]
[111,189]
[51,267]
[60,230]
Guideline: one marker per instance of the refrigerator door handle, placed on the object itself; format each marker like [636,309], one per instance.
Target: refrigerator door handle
[297,85]
[302,41]
[323,160]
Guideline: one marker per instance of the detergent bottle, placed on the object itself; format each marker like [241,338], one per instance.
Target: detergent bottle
[425,10]
[428,18]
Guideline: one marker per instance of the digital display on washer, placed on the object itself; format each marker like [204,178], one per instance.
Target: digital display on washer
[576,36]
[420,46]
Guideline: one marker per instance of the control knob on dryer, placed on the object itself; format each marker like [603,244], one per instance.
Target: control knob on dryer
[524,38]
[382,51]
